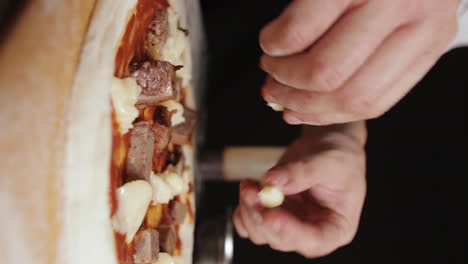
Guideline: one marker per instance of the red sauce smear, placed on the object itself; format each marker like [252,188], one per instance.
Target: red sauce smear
[125,250]
[191,213]
[120,146]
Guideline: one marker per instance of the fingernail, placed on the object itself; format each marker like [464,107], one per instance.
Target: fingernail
[242,233]
[292,120]
[273,52]
[277,177]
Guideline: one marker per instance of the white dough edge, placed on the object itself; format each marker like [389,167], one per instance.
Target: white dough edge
[87,235]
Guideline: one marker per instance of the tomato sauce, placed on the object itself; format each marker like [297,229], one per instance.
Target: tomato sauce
[133,48]
[190,212]
[120,146]
[125,251]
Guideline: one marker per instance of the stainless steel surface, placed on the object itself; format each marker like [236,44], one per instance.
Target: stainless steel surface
[215,240]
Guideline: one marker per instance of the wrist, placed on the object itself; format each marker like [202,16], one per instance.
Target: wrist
[354,132]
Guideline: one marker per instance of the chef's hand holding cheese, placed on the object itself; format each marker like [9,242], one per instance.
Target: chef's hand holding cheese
[311,202]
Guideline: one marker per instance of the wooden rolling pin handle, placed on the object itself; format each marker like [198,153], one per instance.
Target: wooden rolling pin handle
[238,163]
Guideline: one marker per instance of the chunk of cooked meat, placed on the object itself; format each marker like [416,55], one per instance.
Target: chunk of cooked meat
[167,238]
[162,128]
[182,132]
[140,154]
[162,116]
[176,160]
[157,82]
[178,211]
[178,88]
[163,136]
[146,246]
[157,34]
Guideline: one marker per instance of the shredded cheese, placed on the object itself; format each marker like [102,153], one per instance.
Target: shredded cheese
[177,117]
[167,185]
[276,107]
[124,94]
[162,192]
[176,48]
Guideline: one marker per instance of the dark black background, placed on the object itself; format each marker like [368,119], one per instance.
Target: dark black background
[416,206]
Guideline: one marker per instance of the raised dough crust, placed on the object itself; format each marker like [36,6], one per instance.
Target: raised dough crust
[87,236]
[38,59]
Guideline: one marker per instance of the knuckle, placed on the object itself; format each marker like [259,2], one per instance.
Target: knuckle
[335,154]
[325,120]
[347,230]
[321,119]
[361,106]
[442,35]
[277,247]
[347,240]
[297,170]
[347,237]
[257,241]
[314,252]
[300,101]
[407,9]
[323,76]
[450,31]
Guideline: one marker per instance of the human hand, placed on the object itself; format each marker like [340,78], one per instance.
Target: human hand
[338,61]
[322,175]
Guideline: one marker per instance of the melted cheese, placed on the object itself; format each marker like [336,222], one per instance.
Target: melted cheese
[162,192]
[133,198]
[177,117]
[124,94]
[175,182]
[167,185]
[271,196]
[176,48]
[165,258]
[276,107]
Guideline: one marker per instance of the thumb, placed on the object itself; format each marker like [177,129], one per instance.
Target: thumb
[301,24]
